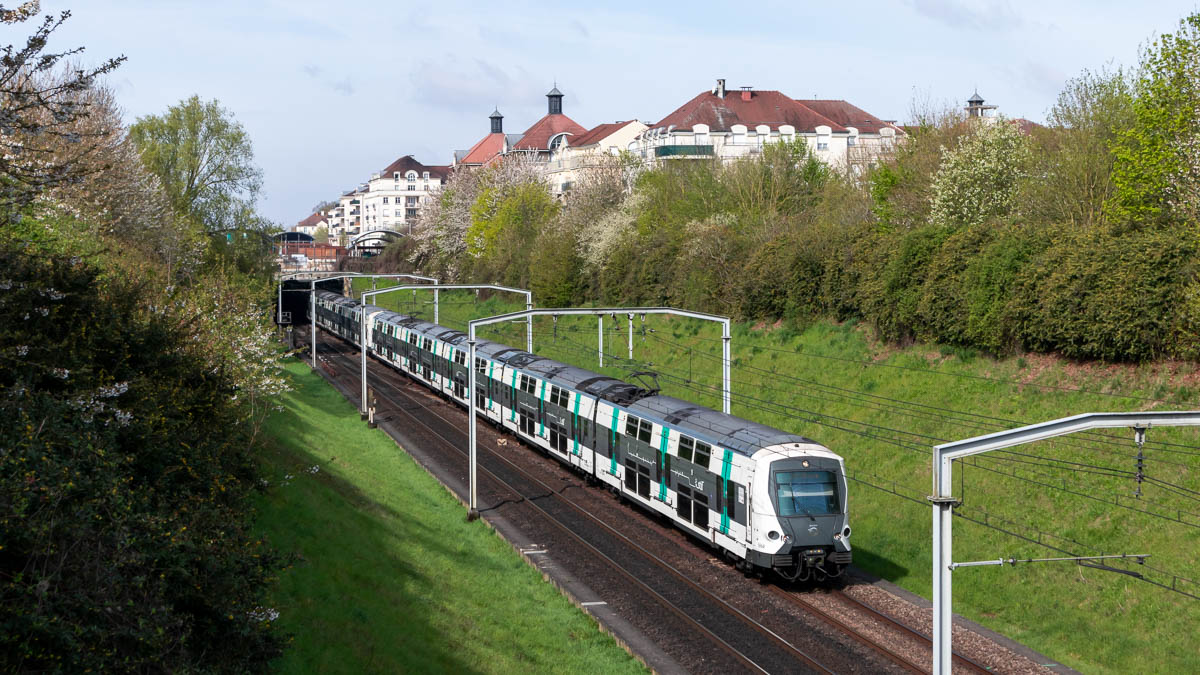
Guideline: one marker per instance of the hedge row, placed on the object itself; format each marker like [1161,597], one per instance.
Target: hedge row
[1002,288]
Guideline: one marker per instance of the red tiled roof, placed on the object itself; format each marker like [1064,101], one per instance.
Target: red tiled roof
[538,136]
[764,107]
[847,115]
[407,163]
[311,221]
[597,134]
[487,148]
[1024,126]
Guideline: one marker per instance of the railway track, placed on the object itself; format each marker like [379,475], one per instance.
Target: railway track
[898,632]
[758,649]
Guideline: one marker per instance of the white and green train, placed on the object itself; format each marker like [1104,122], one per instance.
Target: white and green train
[768,499]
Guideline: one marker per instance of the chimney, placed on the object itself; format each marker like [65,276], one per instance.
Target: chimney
[497,121]
[719,90]
[746,93]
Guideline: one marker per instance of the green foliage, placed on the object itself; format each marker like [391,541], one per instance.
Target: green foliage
[891,287]
[505,223]
[1157,158]
[205,161]
[1120,297]
[1071,179]
[124,484]
[882,182]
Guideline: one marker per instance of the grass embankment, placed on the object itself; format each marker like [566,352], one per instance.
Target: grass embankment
[391,578]
[883,407]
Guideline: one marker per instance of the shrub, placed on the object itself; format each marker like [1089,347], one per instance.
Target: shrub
[124,485]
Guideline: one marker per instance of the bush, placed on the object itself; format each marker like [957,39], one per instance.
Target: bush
[1097,294]
[124,485]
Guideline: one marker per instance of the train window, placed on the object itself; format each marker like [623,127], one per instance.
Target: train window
[638,428]
[480,364]
[528,384]
[527,424]
[460,357]
[558,437]
[700,510]
[637,478]
[730,501]
[686,445]
[683,505]
[692,506]
[806,492]
[703,451]
[559,397]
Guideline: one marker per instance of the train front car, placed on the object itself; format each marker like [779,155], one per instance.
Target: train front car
[801,526]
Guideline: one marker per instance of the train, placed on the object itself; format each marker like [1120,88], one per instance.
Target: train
[770,501]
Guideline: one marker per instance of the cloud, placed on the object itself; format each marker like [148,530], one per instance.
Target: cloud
[993,15]
[344,86]
[469,86]
[311,70]
[580,28]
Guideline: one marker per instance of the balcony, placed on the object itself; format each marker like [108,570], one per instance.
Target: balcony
[683,151]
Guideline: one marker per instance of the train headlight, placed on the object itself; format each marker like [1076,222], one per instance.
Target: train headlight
[846,532]
[772,535]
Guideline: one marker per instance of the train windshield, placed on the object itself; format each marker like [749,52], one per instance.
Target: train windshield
[806,492]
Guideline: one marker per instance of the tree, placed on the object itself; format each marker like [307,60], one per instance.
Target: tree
[1157,158]
[205,161]
[1073,157]
[40,144]
[321,235]
[979,178]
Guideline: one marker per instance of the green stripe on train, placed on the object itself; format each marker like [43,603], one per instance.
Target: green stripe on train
[575,427]
[612,448]
[662,461]
[542,410]
[726,466]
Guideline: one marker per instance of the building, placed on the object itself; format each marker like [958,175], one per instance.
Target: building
[871,139]
[394,196]
[491,146]
[577,154]
[548,133]
[734,125]
[311,224]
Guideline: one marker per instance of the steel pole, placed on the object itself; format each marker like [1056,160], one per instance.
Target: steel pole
[630,337]
[312,297]
[600,333]
[473,504]
[725,366]
[279,306]
[529,324]
[942,557]
[362,336]
[435,305]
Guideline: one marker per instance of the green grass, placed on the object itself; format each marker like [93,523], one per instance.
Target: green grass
[1092,620]
[390,576]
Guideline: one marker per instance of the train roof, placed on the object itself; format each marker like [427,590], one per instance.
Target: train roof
[735,433]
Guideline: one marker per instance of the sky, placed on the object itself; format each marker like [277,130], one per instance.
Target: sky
[333,91]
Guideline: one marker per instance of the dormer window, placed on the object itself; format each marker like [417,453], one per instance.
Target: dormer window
[411,175]
[557,141]
[425,175]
